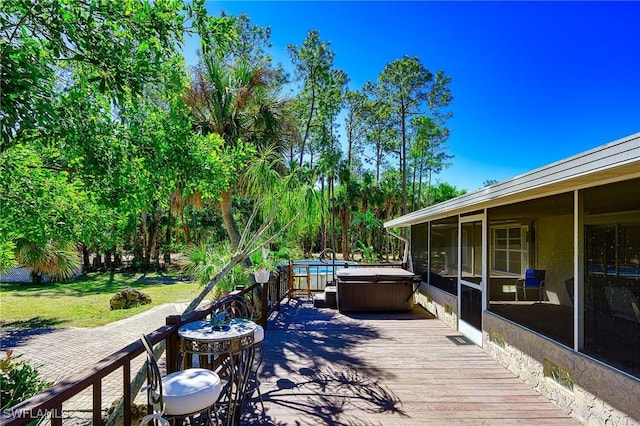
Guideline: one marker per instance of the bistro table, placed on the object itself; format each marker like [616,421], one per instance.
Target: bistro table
[230,349]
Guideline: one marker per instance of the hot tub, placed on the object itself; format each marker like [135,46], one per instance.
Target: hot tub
[375,290]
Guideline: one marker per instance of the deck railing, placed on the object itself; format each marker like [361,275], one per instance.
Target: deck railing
[266,299]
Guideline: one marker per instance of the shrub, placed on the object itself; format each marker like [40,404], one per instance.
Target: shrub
[18,381]
[128,298]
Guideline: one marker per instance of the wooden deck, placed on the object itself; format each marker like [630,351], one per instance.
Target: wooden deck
[326,368]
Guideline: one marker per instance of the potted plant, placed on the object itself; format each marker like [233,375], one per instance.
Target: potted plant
[261,275]
[263,265]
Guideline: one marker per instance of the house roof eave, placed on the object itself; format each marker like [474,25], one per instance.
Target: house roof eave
[618,160]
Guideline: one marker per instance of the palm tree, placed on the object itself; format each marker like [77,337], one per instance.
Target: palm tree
[57,260]
[240,102]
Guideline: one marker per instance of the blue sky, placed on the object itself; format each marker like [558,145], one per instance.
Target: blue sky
[533,82]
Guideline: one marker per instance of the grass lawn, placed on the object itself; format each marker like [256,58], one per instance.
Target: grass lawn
[85,302]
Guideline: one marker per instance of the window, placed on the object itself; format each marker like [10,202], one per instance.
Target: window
[471,252]
[537,233]
[611,296]
[510,249]
[420,250]
[443,264]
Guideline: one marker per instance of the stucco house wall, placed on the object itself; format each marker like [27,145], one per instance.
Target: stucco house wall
[555,255]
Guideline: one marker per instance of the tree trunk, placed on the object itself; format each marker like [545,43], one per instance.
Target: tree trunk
[167,239]
[226,209]
[350,139]
[345,234]
[138,245]
[107,259]
[403,158]
[323,226]
[97,260]
[413,186]
[429,189]
[332,212]
[86,262]
[378,160]
[308,126]
[185,228]
[420,184]
[152,232]
[117,259]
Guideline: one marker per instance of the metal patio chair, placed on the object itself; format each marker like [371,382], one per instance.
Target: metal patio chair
[533,279]
[183,394]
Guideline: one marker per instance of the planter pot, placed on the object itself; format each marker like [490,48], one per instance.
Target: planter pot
[261,275]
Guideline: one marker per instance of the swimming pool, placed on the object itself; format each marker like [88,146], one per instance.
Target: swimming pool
[320,272]
[320,267]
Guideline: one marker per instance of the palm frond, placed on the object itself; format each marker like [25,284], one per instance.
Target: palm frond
[58,260]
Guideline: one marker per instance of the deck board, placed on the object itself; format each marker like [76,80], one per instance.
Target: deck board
[326,368]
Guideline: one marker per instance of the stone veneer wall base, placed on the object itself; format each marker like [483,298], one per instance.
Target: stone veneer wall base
[440,303]
[600,395]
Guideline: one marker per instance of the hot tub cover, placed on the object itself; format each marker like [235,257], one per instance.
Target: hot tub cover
[374,274]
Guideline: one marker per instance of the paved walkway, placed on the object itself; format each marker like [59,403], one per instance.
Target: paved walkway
[64,353]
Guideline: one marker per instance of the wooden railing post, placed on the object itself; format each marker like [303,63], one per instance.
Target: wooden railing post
[126,397]
[172,343]
[56,417]
[97,403]
[280,296]
[290,280]
[263,303]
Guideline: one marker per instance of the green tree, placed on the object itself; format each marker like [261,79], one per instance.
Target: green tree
[391,186]
[117,150]
[368,223]
[316,107]
[380,132]
[89,118]
[354,103]
[344,203]
[428,153]
[237,97]
[445,191]
[40,215]
[411,89]
[120,44]
[321,89]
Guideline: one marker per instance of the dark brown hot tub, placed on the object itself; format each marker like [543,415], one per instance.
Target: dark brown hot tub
[374,289]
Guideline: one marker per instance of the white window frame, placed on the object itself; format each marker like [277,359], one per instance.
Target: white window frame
[523,250]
